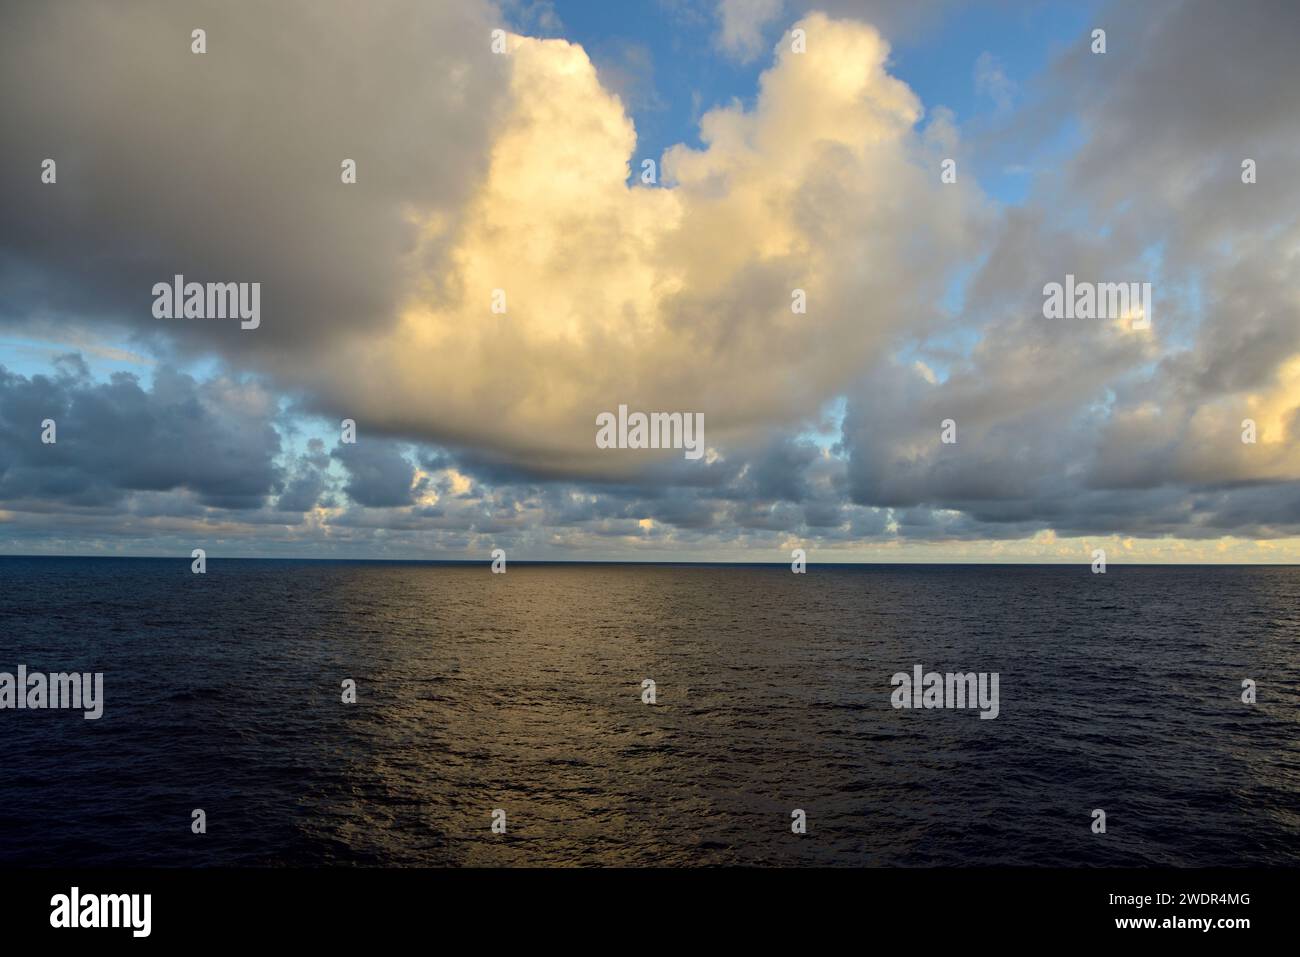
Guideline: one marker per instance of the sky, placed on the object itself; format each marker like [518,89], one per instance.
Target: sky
[840,263]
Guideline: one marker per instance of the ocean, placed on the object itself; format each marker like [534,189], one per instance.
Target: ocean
[518,698]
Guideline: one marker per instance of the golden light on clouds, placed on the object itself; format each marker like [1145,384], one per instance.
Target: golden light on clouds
[498,275]
[675,296]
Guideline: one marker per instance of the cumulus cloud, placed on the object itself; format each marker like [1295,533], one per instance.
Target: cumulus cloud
[479,172]
[215,440]
[380,475]
[308,483]
[667,299]
[1091,426]
[376,298]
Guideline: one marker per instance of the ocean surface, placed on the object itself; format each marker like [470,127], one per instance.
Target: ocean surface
[523,692]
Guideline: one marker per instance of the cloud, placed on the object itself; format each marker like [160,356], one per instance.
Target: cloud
[627,70]
[1088,427]
[477,173]
[897,20]
[533,17]
[480,172]
[742,24]
[215,440]
[379,473]
[991,81]
[304,489]
[225,166]
[666,299]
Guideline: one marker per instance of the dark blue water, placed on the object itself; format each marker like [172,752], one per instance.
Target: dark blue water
[523,692]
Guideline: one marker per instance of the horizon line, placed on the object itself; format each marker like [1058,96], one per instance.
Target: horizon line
[597,561]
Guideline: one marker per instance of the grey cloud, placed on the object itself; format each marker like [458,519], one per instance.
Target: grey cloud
[379,473]
[117,437]
[1063,424]
[225,166]
[304,489]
